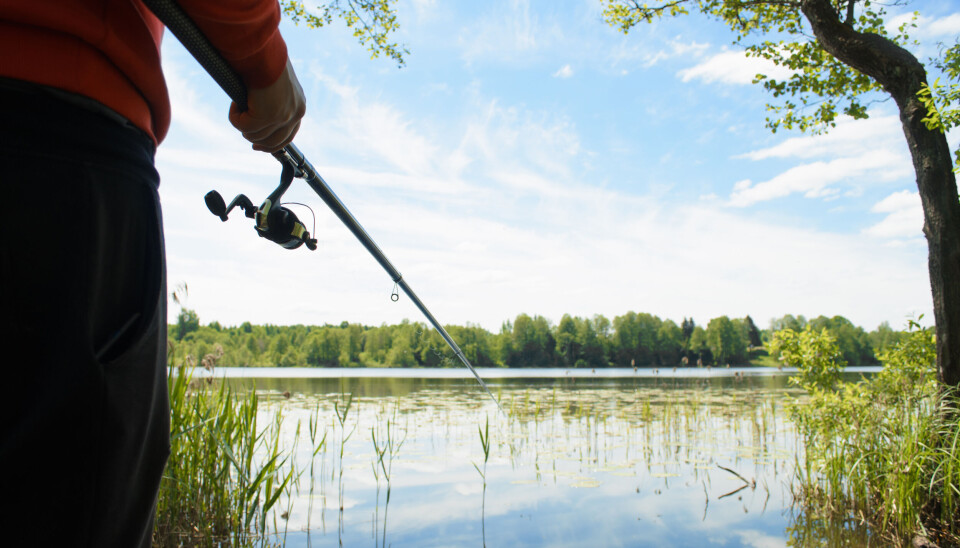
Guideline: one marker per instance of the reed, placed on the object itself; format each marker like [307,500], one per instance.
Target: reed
[485,444]
[224,474]
[884,452]
[317,446]
[342,408]
[385,451]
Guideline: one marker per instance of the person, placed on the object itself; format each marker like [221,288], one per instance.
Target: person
[83,105]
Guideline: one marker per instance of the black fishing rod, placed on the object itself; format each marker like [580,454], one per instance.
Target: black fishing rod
[273,221]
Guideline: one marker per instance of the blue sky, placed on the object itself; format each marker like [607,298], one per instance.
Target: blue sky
[529,158]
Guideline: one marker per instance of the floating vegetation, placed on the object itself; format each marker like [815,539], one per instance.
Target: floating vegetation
[620,443]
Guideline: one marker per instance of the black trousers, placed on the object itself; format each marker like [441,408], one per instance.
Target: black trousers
[84,410]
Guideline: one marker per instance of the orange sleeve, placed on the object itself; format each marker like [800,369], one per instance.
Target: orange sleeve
[246,33]
[109,50]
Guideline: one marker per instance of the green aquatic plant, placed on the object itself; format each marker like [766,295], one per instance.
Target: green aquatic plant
[485,444]
[385,451]
[224,474]
[317,446]
[882,451]
[341,408]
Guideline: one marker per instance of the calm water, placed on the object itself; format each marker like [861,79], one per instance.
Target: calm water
[579,458]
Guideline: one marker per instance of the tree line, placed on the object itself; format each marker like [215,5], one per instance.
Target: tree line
[630,340]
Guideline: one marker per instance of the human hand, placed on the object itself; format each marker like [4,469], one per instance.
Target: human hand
[273,113]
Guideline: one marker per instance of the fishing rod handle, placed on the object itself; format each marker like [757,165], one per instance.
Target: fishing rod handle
[192,38]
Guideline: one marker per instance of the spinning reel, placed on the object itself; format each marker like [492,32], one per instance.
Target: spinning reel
[273,221]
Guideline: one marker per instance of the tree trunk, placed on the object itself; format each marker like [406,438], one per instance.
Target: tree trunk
[901,75]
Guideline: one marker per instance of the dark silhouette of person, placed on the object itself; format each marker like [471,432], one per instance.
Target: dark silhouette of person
[84,414]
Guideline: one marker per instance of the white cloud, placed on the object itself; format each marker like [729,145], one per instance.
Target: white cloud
[897,201]
[674,48]
[506,32]
[814,180]
[948,26]
[928,27]
[850,137]
[928,33]
[759,539]
[732,67]
[565,72]
[378,129]
[851,155]
[192,116]
[904,216]
[424,8]
[695,49]
[518,140]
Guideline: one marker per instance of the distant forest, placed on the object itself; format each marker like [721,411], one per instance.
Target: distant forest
[630,340]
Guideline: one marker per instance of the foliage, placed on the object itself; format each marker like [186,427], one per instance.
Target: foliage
[907,369]
[853,341]
[819,86]
[856,345]
[726,340]
[883,338]
[581,342]
[687,327]
[752,332]
[532,342]
[224,473]
[187,322]
[630,340]
[815,354]
[942,101]
[372,22]
[878,450]
[789,321]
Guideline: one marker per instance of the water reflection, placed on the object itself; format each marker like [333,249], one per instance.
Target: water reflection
[576,461]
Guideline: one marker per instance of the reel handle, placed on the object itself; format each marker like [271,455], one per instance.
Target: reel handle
[216,206]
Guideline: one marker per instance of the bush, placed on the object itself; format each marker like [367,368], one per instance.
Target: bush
[882,450]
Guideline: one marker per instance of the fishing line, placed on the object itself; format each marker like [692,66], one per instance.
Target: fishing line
[313,229]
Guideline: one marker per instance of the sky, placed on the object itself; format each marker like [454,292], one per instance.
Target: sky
[529,158]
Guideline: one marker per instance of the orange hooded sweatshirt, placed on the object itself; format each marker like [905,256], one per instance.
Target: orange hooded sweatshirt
[109,50]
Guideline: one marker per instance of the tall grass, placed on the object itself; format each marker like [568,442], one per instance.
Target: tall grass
[485,443]
[883,451]
[385,451]
[224,473]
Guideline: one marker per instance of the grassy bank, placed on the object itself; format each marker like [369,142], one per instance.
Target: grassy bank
[225,472]
[884,451]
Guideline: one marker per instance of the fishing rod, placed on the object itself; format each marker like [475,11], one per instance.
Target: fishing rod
[273,221]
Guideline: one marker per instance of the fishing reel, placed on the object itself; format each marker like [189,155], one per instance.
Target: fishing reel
[273,221]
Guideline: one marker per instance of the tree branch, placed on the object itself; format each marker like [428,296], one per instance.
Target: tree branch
[785,3]
[896,69]
[648,12]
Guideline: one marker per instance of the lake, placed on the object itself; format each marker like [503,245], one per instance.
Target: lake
[612,457]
